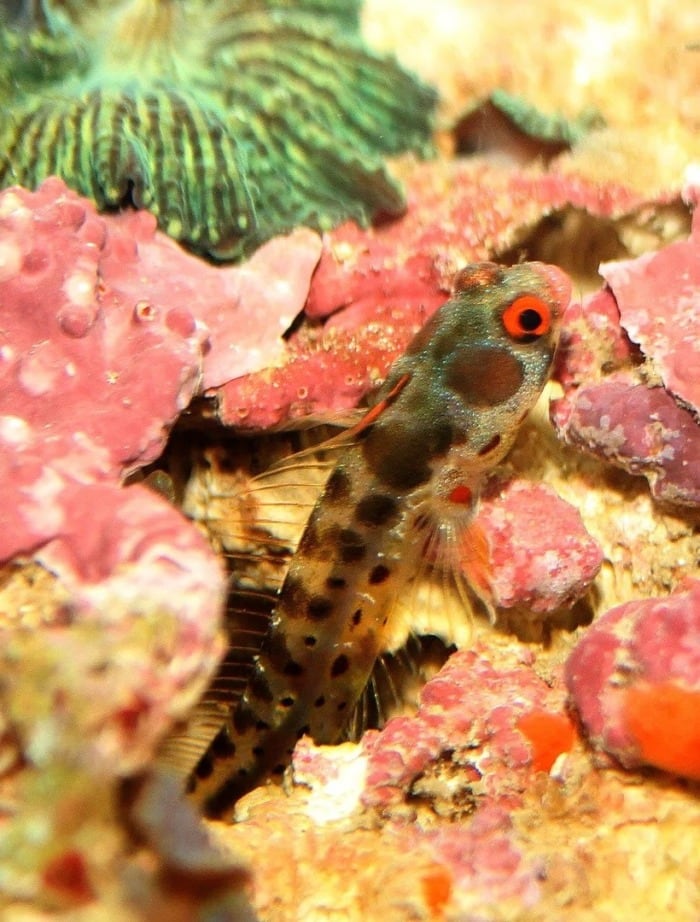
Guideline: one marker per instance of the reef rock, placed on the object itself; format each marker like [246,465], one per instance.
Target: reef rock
[635,681]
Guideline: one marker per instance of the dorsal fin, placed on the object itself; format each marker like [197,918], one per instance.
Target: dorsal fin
[247,617]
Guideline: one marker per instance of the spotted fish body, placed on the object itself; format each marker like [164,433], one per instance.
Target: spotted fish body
[404,489]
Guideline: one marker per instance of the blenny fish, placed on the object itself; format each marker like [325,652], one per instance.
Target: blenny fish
[400,497]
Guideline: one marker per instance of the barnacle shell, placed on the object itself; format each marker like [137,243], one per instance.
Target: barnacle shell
[229,121]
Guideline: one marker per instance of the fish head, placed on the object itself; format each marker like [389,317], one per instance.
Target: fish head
[474,372]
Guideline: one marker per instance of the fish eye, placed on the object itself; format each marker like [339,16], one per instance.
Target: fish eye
[527,318]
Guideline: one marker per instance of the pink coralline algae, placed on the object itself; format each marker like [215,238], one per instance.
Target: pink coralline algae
[111,607]
[471,714]
[486,865]
[130,641]
[108,330]
[630,367]
[376,287]
[635,680]
[540,554]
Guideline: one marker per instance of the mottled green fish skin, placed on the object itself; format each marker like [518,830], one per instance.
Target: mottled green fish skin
[231,120]
[446,415]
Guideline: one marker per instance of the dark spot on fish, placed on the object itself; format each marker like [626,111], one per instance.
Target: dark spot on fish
[287,701]
[258,752]
[310,641]
[337,486]
[303,731]
[243,719]
[340,665]
[279,769]
[484,376]
[376,509]
[293,668]
[261,726]
[319,607]
[489,446]
[399,453]
[275,651]
[336,582]
[204,767]
[357,617]
[222,746]
[310,541]
[379,574]
[294,596]
[259,687]
[342,705]
[351,545]
[319,702]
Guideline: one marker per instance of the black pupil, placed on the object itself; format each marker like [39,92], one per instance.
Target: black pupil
[530,319]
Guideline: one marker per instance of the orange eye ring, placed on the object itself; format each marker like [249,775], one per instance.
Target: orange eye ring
[526,318]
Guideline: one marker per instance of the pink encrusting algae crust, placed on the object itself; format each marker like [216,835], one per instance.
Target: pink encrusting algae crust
[108,330]
[540,554]
[658,297]
[377,286]
[630,368]
[635,681]
[485,718]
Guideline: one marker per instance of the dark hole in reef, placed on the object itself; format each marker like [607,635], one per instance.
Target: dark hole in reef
[578,241]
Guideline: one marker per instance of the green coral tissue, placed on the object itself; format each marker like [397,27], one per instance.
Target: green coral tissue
[230,121]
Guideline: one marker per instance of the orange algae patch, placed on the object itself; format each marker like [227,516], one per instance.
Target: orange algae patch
[550,735]
[437,889]
[664,720]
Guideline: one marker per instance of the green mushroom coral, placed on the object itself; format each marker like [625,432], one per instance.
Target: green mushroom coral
[230,121]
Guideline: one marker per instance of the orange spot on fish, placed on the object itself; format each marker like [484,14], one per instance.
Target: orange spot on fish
[527,317]
[549,734]
[663,719]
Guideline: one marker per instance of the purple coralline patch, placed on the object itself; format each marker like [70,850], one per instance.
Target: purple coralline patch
[630,368]
[485,862]
[540,554]
[469,715]
[635,681]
